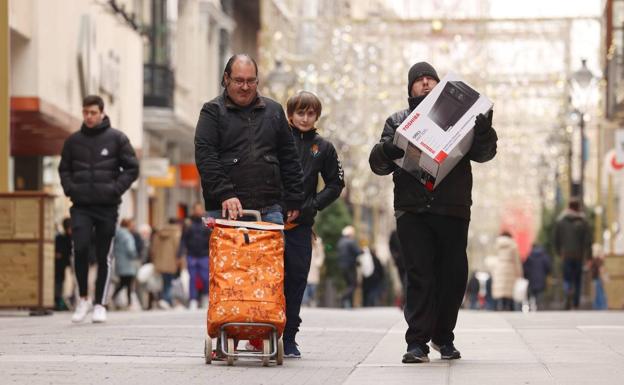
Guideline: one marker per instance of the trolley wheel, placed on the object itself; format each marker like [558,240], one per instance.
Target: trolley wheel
[230,350]
[279,358]
[208,350]
[266,349]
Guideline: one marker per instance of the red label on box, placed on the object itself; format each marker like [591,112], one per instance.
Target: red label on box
[441,156]
[427,147]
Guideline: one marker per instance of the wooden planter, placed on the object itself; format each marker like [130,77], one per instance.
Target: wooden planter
[614,285]
[26,250]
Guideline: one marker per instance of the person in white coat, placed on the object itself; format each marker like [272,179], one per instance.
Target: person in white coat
[505,269]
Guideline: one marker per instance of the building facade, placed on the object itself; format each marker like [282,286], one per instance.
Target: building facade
[60,52]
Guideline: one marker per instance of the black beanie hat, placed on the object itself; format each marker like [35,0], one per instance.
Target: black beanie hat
[418,70]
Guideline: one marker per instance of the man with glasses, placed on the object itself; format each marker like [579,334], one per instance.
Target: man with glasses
[245,152]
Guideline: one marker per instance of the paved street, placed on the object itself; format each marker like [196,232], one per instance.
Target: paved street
[339,347]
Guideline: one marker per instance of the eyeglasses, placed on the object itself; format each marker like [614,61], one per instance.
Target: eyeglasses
[240,82]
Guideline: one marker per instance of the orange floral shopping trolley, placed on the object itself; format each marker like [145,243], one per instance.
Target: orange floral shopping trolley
[246,289]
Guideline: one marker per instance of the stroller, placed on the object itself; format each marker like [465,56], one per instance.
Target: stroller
[246,289]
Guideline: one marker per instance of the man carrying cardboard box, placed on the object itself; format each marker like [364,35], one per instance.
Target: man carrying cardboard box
[432,227]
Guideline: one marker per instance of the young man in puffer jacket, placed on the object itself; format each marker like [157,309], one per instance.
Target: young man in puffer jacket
[98,165]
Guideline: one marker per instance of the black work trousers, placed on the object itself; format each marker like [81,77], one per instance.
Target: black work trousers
[436,264]
[97,225]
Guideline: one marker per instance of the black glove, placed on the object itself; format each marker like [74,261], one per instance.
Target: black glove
[391,150]
[483,123]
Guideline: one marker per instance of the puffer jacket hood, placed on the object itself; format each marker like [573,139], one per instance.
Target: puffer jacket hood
[505,243]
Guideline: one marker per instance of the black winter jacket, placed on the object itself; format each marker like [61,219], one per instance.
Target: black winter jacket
[453,196]
[573,236]
[195,237]
[318,156]
[97,165]
[247,153]
[348,251]
[536,267]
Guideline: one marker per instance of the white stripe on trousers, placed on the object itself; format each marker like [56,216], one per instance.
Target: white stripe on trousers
[109,263]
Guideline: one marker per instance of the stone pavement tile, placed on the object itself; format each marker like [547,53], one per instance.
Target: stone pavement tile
[567,345]
[469,372]
[187,374]
[167,348]
[588,373]
[492,345]
[610,337]
[400,375]
[479,319]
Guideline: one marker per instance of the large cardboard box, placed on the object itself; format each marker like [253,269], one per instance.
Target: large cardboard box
[438,133]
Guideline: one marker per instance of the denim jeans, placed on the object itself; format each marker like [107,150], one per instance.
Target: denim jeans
[198,267]
[167,278]
[600,299]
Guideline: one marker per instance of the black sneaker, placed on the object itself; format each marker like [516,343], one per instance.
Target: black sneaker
[291,350]
[415,355]
[447,352]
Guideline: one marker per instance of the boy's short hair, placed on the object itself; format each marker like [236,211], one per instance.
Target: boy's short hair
[303,100]
[93,100]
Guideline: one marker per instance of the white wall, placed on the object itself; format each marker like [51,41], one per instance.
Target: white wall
[196,60]
[45,65]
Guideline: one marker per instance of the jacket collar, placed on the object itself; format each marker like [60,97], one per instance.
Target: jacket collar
[414,101]
[303,135]
[256,104]
[96,130]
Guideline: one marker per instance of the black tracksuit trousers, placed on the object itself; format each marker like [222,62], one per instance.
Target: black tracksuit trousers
[436,264]
[97,225]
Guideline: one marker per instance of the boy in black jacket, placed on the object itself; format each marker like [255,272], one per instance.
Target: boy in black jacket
[318,156]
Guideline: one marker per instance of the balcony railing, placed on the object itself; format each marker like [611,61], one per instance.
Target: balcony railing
[158,84]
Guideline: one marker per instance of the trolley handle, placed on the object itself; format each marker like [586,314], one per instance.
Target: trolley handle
[210,222]
[253,213]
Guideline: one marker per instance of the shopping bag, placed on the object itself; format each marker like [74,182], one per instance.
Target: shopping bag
[520,290]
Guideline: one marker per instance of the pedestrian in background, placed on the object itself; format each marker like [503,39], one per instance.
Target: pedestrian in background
[62,259]
[397,258]
[432,227]
[505,268]
[126,259]
[536,268]
[164,251]
[373,285]
[194,245]
[348,252]
[572,241]
[98,165]
[596,266]
[314,276]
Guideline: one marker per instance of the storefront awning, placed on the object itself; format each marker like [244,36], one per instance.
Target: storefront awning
[39,128]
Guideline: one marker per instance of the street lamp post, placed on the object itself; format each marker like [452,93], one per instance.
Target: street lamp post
[280,82]
[581,83]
